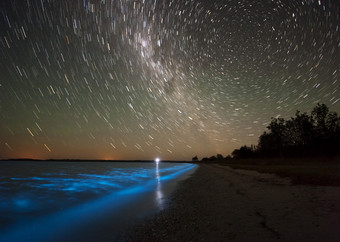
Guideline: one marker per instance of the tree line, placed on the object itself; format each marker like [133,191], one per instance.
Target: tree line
[317,134]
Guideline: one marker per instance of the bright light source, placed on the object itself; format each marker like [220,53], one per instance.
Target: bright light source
[157,160]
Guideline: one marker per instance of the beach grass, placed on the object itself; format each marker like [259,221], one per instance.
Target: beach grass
[307,171]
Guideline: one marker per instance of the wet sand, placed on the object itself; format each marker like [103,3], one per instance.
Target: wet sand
[218,203]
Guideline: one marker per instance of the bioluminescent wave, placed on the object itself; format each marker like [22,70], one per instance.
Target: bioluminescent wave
[58,201]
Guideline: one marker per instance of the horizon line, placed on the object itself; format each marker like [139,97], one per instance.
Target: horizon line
[89,160]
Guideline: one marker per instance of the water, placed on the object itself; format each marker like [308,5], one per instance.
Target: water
[53,201]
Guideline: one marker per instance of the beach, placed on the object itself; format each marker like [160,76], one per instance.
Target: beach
[218,203]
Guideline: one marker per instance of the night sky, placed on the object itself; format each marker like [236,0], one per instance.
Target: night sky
[120,79]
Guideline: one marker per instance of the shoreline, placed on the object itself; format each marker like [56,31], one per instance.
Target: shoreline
[218,203]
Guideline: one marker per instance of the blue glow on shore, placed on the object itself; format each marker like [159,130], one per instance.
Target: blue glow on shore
[80,200]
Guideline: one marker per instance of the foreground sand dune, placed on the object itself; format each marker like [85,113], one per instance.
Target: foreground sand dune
[220,204]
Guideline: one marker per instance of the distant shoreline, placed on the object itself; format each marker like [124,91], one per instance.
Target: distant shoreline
[81,160]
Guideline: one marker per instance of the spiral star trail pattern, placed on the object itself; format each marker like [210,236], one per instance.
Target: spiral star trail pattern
[120,79]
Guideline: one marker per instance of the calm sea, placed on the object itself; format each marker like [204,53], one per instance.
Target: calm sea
[70,201]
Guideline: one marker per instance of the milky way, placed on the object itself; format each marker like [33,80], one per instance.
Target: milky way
[159,78]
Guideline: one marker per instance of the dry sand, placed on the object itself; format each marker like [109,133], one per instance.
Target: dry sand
[221,204]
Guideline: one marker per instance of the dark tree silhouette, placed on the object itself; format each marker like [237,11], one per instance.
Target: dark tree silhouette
[319,115]
[300,129]
[212,158]
[228,157]
[244,152]
[267,145]
[219,157]
[302,135]
[278,131]
[195,158]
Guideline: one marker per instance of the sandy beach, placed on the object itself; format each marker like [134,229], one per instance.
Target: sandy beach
[218,203]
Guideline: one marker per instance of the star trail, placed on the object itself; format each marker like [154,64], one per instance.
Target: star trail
[124,79]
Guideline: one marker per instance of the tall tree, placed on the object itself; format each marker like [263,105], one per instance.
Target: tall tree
[278,131]
[319,114]
[300,129]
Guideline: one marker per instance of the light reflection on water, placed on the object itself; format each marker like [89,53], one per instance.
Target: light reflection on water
[159,193]
[51,195]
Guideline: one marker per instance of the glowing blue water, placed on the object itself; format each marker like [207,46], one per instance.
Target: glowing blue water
[42,201]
